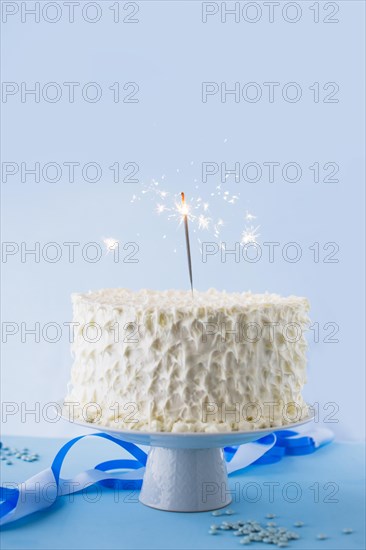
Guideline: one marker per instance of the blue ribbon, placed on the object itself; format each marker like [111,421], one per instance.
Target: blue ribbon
[14,505]
[11,496]
[134,450]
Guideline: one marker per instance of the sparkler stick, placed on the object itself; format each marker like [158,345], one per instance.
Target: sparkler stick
[185,219]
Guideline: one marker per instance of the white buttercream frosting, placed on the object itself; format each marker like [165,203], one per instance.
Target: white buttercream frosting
[162,361]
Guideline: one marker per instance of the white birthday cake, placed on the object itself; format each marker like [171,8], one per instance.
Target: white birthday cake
[164,361]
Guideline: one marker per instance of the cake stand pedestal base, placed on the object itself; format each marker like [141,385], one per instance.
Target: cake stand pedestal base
[185,480]
[185,472]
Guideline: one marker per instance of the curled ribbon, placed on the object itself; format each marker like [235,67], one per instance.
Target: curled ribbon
[42,490]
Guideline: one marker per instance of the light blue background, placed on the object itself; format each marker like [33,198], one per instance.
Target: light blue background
[169,53]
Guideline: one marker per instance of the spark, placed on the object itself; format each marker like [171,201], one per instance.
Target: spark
[160,208]
[203,222]
[250,235]
[205,206]
[249,217]
[111,244]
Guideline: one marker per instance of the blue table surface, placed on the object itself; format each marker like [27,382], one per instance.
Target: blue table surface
[325,490]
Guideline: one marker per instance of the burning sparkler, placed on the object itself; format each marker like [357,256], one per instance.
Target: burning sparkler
[184,211]
[200,212]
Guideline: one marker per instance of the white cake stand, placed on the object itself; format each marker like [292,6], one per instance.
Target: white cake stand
[186,472]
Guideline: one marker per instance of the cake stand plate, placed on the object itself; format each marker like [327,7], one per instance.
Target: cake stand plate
[186,472]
